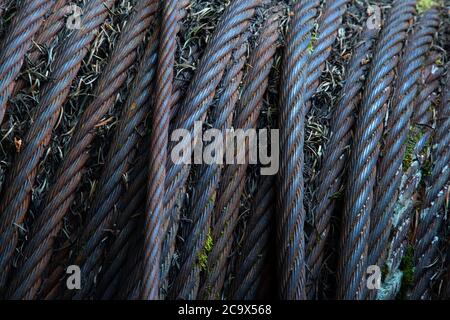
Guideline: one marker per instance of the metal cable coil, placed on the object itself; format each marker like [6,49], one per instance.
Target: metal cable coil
[19,35]
[254,253]
[233,23]
[16,196]
[396,133]
[155,217]
[62,192]
[226,208]
[329,23]
[44,37]
[431,216]
[335,157]
[365,150]
[401,219]
[291,214]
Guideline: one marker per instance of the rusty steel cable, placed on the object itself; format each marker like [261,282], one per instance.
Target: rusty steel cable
[402,211]
[44,37]
[232,182]
[335,156]
[389,169]
[234,22]
[155,218]
[19,35]
[365,150]
[186,283]
[117,162]
[428,232]
[329,23]
[120,157]
[254,253]
[291,214]
[69,174]
[401,217]
[16,196]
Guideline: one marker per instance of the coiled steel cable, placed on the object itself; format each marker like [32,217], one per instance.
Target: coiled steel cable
[365,150]
[431,216]
[422,132]
[120,157]
[335,155]
[155,217]
[233,23]
[69,174]
[226,208]
[401,109]
[44,37]
[291,215]
[19,35]
[256,243]
[186,282]
[401,217]
[329,23]
[16,196]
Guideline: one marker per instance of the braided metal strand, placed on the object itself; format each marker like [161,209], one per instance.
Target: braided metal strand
[256,243]
[155,220]
[291,217]
[389,169]
[16,43]
[365,150]
[226,209]
[401,218]
[201,90]
[431,215]
[202,203]
[69,174]
[20,180]
[329,24]
[335,156]
[48,31]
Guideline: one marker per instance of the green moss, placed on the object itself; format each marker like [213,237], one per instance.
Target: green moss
[424,5]
[311,43]
[384,272]
[407,267]
[202,255]
[413,137]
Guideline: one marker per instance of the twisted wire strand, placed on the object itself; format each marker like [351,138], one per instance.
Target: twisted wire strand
[118,161]
[45,36]
[335,156]
[329,23]
[233,23]
[401,109]
[155,219]
[16,196]
[256,242]
[401,217]
[431,216]
[24,26]
[69,175]
[226,208]
[291,217]
[186,283]
[365,150]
